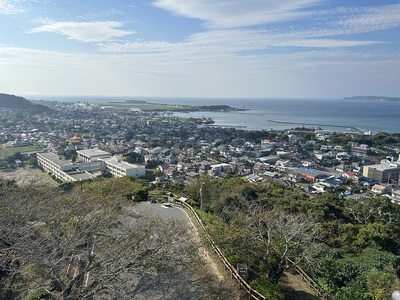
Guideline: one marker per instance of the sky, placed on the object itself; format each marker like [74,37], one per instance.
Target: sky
[200,48]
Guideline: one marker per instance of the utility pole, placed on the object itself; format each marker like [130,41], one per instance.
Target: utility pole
[201,200]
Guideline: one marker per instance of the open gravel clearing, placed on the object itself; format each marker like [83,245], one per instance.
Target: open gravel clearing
[27,176]
[205,279]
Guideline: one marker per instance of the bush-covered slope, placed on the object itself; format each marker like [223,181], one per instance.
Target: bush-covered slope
[12,101]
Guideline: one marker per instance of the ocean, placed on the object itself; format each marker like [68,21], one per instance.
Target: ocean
[328,114]
[266,114]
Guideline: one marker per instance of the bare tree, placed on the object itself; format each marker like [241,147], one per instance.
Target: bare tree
[267,237]
[71,246]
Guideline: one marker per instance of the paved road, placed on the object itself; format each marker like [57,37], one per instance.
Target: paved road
[199,281]
[158,209]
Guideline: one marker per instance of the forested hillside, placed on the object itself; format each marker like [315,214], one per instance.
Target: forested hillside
[89,242]
[349,246]
[52,238]
[16,102]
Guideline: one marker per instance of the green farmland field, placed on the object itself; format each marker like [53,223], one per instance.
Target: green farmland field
[146,106]
[10,151]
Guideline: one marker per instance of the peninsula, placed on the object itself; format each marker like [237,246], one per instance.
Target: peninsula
[149,106]
[373,99]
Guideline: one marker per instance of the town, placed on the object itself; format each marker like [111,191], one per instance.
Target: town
[81,141]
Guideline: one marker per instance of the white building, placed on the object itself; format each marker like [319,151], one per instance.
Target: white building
[94,161]
[119,168]
[91,154]
[61,169]
[217,169]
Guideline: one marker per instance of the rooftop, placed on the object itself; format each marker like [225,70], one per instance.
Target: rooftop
[54,158]
[119,163]
[93,152]
[385,166]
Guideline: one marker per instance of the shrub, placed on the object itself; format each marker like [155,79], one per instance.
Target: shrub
[38,294]
[268,289]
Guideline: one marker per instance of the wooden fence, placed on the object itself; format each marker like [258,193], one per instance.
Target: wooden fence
[311,283]
[252,293]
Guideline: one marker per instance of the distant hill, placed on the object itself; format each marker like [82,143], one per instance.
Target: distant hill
[12,101]
[373,98]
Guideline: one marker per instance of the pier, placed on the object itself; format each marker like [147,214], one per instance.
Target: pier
[355,129]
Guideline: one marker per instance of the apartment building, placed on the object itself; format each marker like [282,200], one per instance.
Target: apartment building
[385,173]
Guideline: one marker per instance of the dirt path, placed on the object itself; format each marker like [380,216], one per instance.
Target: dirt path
[292,285]
[296,288]
[213,264]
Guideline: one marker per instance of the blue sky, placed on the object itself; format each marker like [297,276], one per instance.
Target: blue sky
[200,48]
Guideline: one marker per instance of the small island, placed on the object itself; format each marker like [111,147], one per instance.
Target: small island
[373,99]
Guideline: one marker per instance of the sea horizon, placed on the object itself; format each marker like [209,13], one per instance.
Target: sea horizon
[111,98]
[331,114]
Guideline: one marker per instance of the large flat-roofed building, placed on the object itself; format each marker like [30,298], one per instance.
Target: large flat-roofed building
[92,154]
[384,173]
[93,162]
[119,168]
[60,168]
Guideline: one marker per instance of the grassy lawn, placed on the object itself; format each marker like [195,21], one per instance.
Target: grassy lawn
[10,151]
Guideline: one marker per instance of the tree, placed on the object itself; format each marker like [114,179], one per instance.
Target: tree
[33,162]
[265,238]
[374,209]
[369,274]
[134,158]
[374,221]
[79,244]
[338,241]
[152,164]
[278,237]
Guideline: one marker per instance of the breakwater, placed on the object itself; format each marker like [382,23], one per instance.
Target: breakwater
[354,129]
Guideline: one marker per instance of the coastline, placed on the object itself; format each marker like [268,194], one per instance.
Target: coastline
[355,129]
[152,106]
[365,116]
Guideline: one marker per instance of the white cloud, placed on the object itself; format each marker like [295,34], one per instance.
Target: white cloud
[112,12]
[307,73]
[138,47]
[372,19]
[9,7]
[232,42]
[326,43]
[237,13]
[225,14]
[85,31]
[301,50]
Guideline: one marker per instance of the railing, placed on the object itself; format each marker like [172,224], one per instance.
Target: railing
[311,283]
[252,293]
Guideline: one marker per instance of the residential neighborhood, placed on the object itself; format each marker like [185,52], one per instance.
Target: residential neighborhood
[81,141]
